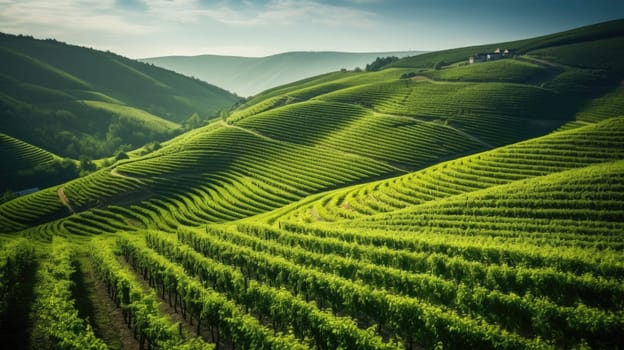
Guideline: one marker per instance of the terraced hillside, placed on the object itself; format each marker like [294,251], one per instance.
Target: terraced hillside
[547,84]
[25,165]
[591,144]
[466,207]
[217,174]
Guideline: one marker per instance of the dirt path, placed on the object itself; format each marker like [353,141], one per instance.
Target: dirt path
[254,132]
[542,62]
[174,317]
[472,137]
[63,198]
[115,172]
[459,131]
[315,214]
[107,320]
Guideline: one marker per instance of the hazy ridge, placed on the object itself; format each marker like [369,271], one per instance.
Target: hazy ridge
[247,76]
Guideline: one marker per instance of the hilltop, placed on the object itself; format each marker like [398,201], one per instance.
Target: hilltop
[247,76]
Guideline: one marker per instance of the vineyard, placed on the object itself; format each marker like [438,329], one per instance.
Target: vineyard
[462,207]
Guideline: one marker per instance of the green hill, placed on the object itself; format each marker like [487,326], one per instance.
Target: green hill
[352,126]
[247,76]
[75,101]
[25,165]
[464,207]
[589,34]
[554,153]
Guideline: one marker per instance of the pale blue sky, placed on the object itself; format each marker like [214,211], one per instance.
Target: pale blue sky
[142,28]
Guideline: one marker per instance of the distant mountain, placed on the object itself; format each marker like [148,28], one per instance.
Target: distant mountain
[248,76]
[75,101]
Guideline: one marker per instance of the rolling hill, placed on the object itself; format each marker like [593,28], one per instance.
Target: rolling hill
[25,165]
[424,205]
[81,103]
[77,101]
[247,76]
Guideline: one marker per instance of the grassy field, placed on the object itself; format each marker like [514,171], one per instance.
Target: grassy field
[466,207]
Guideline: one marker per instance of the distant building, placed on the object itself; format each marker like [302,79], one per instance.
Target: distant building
[478,57]
[492,56]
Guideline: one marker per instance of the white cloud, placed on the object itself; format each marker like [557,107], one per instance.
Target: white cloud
[146,27]
[106,16]
[66,16]
[248,14]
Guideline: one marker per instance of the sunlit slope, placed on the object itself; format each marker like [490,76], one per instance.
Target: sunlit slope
[553,153]
[406,142]
[550,83]
[414,122]
[546,250]
[217,174]
[531,230]
[75,101]
[592,33]
[561,206]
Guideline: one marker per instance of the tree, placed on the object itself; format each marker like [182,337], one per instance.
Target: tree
[121,156]
[86,165]
[194,121]
[7,196]
[380,62]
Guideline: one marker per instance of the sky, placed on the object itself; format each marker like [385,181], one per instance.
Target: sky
[149,28]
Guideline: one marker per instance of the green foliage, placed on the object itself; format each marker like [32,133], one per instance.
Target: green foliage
[26,166]
[140,309]
[609,105]
[307,321]
[380,62]
[86,166]
[203,304]
[57,323]
[121,156]
[193,122]
[584,34]
[603,54]
[391,312]
[505,70]
[16,257]
[537,157]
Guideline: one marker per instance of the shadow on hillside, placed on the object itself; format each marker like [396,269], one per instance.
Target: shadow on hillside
[16,324]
